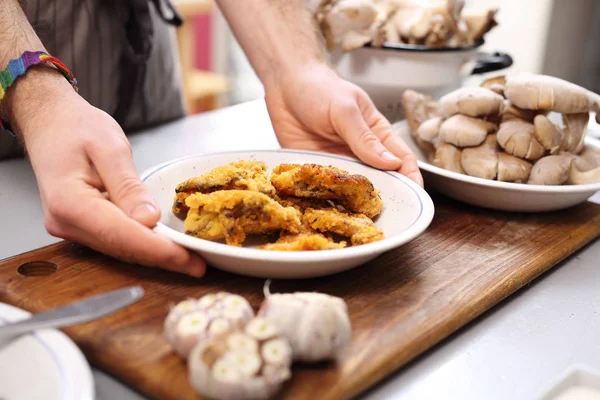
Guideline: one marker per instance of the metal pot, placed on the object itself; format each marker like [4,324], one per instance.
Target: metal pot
[384,73]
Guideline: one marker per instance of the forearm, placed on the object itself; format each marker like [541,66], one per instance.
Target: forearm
[29,92]
[278,36]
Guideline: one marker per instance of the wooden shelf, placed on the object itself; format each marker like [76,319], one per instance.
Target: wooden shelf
[202,89]
[193,7]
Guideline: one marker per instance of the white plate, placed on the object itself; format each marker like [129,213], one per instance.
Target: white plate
[43,365]
[407,212]
[579,382]
[506,196]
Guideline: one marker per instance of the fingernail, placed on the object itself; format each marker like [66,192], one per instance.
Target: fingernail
[144,211]
[386,155]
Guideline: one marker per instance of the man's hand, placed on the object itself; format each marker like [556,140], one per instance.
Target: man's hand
[78,153]
[310,106]
[314,109]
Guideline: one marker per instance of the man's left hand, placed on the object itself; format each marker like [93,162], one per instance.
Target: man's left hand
[314,109]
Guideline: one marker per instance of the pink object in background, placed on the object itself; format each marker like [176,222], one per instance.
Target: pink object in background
[203,42]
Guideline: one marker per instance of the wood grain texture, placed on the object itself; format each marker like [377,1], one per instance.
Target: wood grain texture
[400,304]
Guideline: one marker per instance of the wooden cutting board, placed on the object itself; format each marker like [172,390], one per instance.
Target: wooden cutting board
[400,304]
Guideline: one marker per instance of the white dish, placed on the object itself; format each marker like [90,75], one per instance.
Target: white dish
[505,196]
[43,365]
[577,383]
[407,212]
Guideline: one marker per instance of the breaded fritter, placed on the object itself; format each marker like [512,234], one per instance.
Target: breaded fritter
[302,203]
[358,227]
[240,175]
[304,241]
[233,214]
[355,192]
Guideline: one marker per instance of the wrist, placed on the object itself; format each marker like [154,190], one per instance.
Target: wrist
[32,93]
[284,76]
[291,80]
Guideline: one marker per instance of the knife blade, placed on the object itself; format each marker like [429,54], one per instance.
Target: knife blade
[78,312]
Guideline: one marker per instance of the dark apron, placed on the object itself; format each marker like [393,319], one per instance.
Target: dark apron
[122,52]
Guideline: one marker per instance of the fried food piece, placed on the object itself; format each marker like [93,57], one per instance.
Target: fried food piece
[233,214]
[302,203]
[304,241]
[358,227]
[240,175]
[354,192]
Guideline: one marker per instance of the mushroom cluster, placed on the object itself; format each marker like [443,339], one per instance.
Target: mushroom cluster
[351,24]
[232,354]
[504,130]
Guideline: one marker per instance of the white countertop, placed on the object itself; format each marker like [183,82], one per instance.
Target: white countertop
[514,351]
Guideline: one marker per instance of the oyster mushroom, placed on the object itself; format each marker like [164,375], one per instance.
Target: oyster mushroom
[547,133]
[517,138]
[479,22]
[542,92]
[510,112]
[428,131]
[448,157]
[551,170]
[512,169]
[462,131]
[350,23]
[482,161]
[472,102]
[495,84]
[588,159]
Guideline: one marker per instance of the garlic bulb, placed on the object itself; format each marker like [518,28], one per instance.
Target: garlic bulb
[248,363]
[193,321]
[317,325]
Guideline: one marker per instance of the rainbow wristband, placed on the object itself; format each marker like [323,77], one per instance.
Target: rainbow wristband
[19,66]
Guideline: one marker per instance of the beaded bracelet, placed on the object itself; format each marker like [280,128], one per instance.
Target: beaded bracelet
[19,66]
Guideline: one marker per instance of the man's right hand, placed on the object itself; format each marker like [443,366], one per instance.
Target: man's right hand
[78,153]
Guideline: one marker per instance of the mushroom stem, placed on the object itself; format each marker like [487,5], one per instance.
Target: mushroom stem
[574,132]
[577,177]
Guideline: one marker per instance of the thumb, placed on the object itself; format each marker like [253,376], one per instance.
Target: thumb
[352,127]
[119,176]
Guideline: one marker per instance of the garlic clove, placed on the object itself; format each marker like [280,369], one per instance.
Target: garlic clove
[239,341]
[247,362]
[234,302]
[277,352]
[207,300]
[261,329]
[218,326]
[276,373]
[192,324]
[226,370]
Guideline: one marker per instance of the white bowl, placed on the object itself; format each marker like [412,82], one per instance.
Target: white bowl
[408,211]
[505,196]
